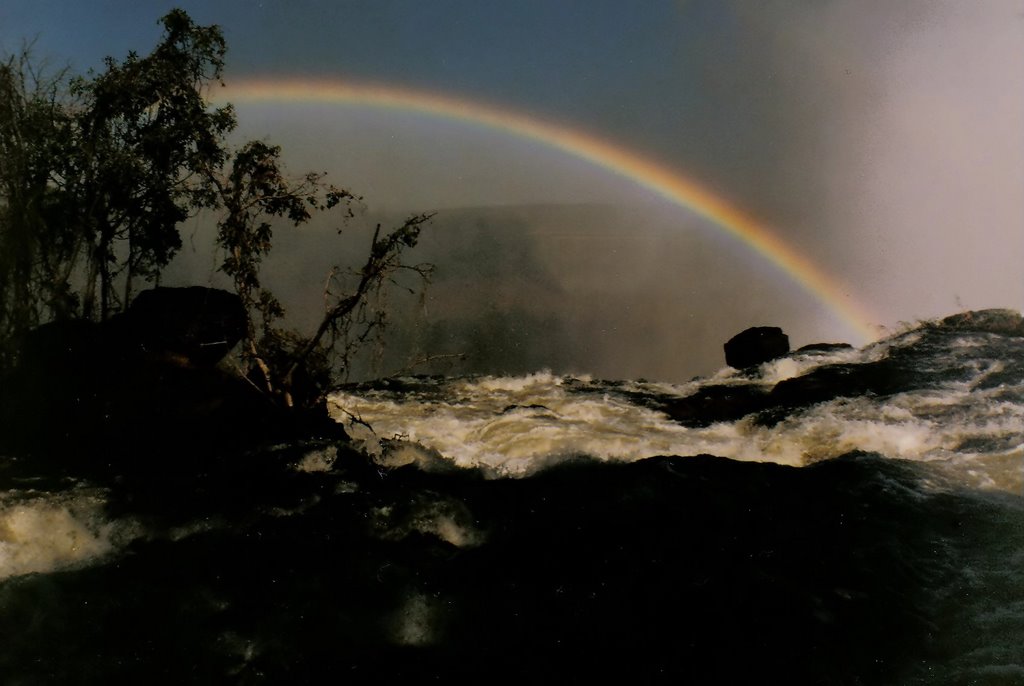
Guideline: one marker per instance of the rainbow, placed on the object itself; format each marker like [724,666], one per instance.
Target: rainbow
[659,179]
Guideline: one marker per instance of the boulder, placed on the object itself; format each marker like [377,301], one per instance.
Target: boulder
[1000,321]
[54,391]
[756,345]
[143,383]
[198,324]
[59,347]
[714,404]
[823,347]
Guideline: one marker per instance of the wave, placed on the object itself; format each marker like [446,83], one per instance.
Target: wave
[46,531]
[937,394]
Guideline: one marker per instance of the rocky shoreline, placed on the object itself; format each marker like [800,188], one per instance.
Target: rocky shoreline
[150,381]
[153,381]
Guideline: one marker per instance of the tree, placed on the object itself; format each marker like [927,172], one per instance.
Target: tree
[145,140]
[35,127]
[284,364]
[98,172]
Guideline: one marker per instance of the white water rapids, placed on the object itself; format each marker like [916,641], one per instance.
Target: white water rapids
[512,426]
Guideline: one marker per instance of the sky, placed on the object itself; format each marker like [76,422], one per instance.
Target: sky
[882,140]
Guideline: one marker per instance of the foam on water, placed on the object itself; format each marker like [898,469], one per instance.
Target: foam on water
[511,426]
[43,532]
[797,364]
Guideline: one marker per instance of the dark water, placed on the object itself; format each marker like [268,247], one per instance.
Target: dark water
[869,531]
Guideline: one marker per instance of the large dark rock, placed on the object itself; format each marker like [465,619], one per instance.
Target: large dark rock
[756,345]
[714,404]
[823,347]
[1000,321]
[61,347]
[199,324]
[143,384]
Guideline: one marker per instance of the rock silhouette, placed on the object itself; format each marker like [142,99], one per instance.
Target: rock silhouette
[755,346]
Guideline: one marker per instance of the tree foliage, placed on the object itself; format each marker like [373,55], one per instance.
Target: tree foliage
[35,253]
[285,364]
[98,172]
[146,138]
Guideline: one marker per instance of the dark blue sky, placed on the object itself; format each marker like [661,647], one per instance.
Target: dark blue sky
[633,68]
[696,81]
[882,138]
[533,49]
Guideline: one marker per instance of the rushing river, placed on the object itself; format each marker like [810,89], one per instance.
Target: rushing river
[836,516]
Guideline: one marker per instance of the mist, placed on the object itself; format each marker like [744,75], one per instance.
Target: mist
[613,291]
[898,145]
[882,141]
